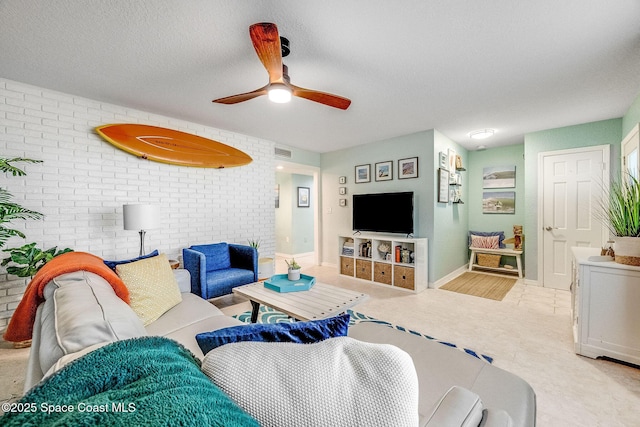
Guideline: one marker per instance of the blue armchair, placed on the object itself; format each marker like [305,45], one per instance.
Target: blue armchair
[217,268]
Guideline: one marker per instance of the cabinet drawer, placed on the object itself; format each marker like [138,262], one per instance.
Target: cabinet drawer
[403,277]
[363,269]
[382,273]
[346,266]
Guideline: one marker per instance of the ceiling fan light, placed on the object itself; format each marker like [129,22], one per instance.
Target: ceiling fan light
[279,93]
[482,133]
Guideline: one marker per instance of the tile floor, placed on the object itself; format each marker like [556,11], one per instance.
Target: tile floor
[528,333]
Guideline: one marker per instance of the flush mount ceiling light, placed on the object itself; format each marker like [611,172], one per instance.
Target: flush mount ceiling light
[482,133]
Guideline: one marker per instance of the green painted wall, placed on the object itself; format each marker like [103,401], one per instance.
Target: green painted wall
[448,244]
[284,214]
[584,135]
[512,155]
[294,225]
[338,220]
[300,156]
[445,225]
[632,117]
[302,225]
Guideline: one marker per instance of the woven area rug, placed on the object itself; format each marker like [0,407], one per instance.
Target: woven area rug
[269,315]
[481,285]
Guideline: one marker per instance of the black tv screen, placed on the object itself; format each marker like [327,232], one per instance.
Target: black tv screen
[383,212]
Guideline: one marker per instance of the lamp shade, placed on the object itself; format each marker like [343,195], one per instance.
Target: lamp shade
[141,217]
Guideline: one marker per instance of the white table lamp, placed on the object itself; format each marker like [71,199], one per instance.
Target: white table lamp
[142,218]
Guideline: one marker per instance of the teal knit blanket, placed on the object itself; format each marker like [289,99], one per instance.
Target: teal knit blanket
[148,381]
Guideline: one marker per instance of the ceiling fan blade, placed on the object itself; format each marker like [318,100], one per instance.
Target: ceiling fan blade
[266,42]
[234,99]
[322,97]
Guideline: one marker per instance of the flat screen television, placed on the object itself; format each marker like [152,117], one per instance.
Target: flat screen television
[383,212]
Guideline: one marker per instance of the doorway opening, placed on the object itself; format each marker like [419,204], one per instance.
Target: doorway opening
[297,215]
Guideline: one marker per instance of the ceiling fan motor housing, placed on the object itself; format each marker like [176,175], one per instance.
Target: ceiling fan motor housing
[284,45]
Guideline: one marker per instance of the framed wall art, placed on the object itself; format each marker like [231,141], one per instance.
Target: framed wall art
[303,197]
[384,171]
[499,177]
[498,202]
[443,186]
[408,168]
[444,160]
[452,160]
[363,174]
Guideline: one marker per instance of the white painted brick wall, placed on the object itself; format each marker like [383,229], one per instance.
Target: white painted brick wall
[84,181]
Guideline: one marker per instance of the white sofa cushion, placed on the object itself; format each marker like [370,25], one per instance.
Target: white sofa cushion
[81,309]
[458,407]
[335,382]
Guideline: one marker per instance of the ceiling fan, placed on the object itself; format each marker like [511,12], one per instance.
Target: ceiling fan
[271,49]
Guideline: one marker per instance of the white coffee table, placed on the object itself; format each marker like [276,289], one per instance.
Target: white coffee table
[319,302]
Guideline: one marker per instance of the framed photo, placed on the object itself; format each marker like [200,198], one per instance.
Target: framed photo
[444,160]
[342,180]
[454,178]
[303,197]
[363,173]
[408,168]
[343,202]
[384,171]
[342,190]
[499,177]
[452,160]
[498,202]
[443,186]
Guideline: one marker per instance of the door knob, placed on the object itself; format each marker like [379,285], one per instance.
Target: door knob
[550,228]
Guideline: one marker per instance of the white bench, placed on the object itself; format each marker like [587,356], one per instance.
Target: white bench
[504,252]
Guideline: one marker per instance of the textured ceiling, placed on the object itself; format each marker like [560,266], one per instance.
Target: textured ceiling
[456,66]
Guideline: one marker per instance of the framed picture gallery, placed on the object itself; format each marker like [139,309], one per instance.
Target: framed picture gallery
[363,174]
[384,171]
[303,197]
[408,168]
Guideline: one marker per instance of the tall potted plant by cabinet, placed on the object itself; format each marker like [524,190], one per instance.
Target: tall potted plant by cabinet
[622,217]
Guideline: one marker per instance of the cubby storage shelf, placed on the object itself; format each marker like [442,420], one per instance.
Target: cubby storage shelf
[361,258]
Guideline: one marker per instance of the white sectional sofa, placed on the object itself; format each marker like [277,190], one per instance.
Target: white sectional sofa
[81,312]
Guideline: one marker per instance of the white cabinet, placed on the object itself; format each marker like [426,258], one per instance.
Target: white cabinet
[385,260]
[605,307]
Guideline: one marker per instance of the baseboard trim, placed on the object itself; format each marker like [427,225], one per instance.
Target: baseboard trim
[449,277]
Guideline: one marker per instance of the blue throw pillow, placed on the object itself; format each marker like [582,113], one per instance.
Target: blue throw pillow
[217,255]
[489,233]
[112,264]
[296,332]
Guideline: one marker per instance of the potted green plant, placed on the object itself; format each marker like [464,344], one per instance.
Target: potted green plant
[9,210]
[293,272]
[622,217]
[28,259]
[254,243]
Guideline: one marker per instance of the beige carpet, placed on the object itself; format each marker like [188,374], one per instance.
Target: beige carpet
[481,285]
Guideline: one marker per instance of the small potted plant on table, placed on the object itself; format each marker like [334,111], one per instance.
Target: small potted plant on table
[294,269]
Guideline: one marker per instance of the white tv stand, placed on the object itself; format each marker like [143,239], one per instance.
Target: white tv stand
[372,265]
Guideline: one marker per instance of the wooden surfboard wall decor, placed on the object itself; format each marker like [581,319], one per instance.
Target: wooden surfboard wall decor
[172,146]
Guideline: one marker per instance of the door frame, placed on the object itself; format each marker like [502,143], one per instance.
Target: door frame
[302,169]
[606,153]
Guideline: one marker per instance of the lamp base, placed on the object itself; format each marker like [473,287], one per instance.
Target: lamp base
[142,233]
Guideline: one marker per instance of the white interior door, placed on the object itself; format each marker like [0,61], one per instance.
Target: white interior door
[572,189]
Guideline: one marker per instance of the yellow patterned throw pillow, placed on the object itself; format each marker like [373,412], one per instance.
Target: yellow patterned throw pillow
[153,288]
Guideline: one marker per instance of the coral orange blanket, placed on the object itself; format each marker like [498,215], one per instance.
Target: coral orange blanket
[21,324]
